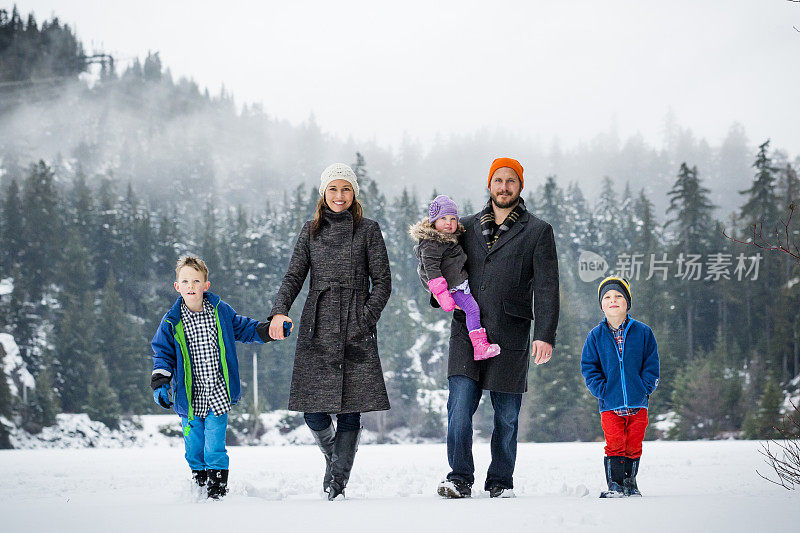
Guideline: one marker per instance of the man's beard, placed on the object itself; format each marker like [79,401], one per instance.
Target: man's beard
[505,204]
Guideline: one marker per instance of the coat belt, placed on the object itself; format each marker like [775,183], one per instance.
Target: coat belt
[321,285]
[336,288]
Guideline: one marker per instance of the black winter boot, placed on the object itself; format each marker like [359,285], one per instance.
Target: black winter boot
[345,444]
[200,477]
[629,483]
[615,474]
[217,484]
[325,441]
[454,488]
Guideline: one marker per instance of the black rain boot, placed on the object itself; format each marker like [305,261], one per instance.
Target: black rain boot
[615,473]
[325,441]
[217,484]
[629,483]
[345,445]
[200,477]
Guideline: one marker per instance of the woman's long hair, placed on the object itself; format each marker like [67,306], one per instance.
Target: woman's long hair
[355,210]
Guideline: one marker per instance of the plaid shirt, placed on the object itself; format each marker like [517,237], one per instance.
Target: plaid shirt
[208,384]
[619,336]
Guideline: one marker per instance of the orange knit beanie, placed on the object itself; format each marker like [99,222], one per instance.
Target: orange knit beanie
[513,164]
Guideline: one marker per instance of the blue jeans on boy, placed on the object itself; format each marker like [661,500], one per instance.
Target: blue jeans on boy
[462,402]
[205,442]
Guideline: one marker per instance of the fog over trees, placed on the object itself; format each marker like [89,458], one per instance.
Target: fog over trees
[107,175]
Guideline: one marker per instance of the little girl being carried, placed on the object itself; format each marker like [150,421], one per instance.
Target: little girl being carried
[441,268]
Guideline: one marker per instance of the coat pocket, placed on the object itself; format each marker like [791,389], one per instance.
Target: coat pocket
[514,332]
[518,309]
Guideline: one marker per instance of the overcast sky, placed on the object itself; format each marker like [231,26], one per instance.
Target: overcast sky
[539,69]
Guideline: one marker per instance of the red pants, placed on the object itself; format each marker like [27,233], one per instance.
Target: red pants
[624,434]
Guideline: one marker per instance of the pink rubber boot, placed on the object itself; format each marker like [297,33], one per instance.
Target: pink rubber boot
[483,350]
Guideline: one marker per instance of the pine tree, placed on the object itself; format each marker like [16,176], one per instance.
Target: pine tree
[646,237]
[404,210]
[21,321]
[6,400]
[576,219]
[45,405]
[761,423]
[707,396]
[120,341]
[209,248]
[11,237]
[761,205]
[105,239]
[550,208]
[558,407]
[761,211]
[152,67]
[75,349]
[40,230]
[102,403]
[693,225]
[607,222]
[82,209]
[76,276]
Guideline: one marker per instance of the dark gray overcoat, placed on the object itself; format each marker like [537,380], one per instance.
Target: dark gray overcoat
[512,283]
[336,364]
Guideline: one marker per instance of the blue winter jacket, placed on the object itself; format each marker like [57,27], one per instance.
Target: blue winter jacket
[171,352]
[625,380]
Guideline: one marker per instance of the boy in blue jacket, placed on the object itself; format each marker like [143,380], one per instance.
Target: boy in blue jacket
[620,366]
[194,350]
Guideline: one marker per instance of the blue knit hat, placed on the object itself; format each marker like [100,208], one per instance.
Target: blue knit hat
[442,206]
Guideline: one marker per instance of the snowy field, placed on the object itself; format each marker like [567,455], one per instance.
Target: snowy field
[688,486]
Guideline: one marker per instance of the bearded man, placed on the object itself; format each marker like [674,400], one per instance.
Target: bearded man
[513,275]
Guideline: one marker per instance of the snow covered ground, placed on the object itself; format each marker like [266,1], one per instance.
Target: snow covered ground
[688,487]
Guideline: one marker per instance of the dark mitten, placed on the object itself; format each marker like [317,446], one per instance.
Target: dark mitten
[161,397]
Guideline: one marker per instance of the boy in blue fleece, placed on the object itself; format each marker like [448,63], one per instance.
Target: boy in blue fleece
[194,349]
[620,366]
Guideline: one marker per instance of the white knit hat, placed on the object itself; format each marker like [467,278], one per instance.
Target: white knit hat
[337,171]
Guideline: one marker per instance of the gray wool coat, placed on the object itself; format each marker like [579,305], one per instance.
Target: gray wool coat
[336,365]
[513,283]
[439,254]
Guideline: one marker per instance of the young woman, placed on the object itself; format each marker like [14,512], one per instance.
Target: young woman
[336,366]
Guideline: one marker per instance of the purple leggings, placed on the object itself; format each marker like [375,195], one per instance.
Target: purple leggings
[470,307]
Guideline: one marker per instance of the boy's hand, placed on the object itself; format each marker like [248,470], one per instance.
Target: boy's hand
[541,352]
[161,396]
[276,327]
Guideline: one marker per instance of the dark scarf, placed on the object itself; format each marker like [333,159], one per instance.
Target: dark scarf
[491,231]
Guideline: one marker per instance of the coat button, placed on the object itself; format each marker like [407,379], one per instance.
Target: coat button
[483,287]
[340,366]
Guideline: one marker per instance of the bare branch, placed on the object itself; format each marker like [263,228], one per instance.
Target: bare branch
[758,234]
[785,458]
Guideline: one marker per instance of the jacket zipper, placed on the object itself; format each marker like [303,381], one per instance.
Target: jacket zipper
[620,358]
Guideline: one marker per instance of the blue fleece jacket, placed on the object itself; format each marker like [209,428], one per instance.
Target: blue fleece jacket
[171,352]
[626,380]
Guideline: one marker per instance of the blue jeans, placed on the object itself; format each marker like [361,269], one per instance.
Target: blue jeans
[462,403]
[205,442]
[344,421]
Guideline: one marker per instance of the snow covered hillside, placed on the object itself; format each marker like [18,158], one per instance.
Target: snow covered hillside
[688,487]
